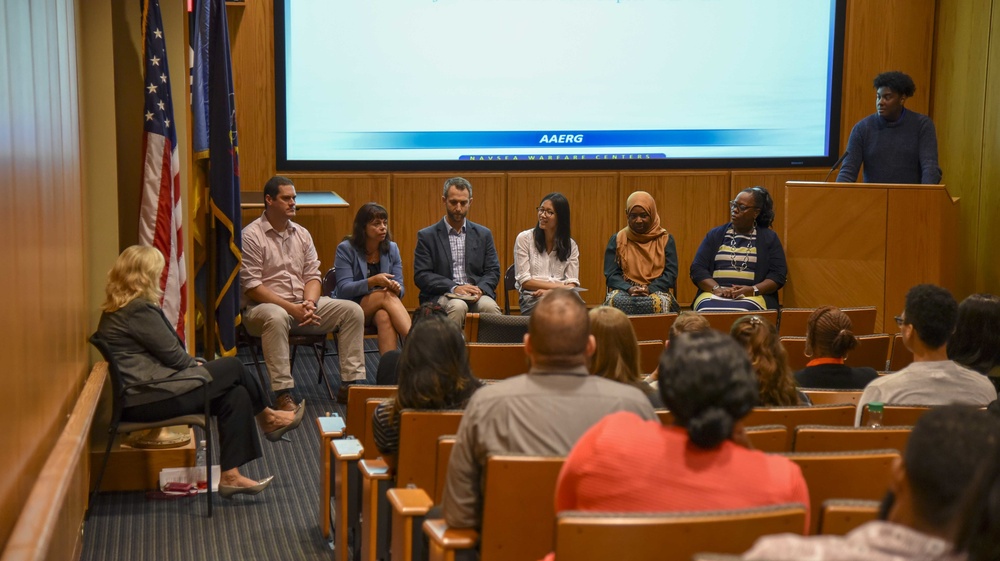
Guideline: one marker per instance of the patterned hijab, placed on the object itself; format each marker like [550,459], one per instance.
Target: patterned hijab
[642,256]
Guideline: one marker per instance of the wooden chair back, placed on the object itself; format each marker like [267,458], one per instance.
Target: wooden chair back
[844,475]
[893,415]
[901,357]
[795,348]
[723,321]
[416,462]
[495,328]
[357,395]
[840,516]
[872,351]
[509,285]
[670,536]
[652,327]
[769,438]
[862,319]
[496,361]
[822,438]
[367,437]
[793,321]
[519,507]
[444,445]
[649,355]
[831,397]
[795,415]
[666,417]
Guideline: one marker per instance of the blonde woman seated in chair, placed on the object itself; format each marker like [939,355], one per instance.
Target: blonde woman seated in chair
[146,347]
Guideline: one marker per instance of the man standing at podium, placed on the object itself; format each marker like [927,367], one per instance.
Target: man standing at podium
[896,145]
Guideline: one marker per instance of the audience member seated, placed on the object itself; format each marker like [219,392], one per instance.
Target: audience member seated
[542,412]
[433,374]
[455,262]
[979,524]
[948,447]
[387,373]
[828,340]
[281,295]
[927,322]
[546,257]
[741,265]
[617,354]
[640,262]
[370,273]
[147,348]
[703,462]
[770,362]
[975,344]
[686,322]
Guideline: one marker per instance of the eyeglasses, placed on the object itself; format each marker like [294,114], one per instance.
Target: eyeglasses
[546,212]
[740,207]
[900,320]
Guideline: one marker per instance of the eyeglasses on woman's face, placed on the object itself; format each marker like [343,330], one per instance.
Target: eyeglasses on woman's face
[733,205]
[547,213]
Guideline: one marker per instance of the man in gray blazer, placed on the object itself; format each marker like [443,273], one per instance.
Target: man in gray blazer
[455,262]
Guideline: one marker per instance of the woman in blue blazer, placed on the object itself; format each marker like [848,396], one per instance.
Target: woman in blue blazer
[370,272]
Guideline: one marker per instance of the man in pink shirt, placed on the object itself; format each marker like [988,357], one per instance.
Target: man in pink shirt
[282,283]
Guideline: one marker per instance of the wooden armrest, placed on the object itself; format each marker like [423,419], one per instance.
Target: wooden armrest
[331,426]
[346,449]
[409,502]
[374,469]
[450,538]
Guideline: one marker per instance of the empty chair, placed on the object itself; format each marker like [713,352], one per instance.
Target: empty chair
[649,355]
[669,536]
[862,319]
[829,397]
[844,475]
[901,357]
[723,321]
[872,351]
[508,287]
[795,415]
[495,328]
[840,516]
[795,347]
[792,321]
[825,438]
[896,414]
[653,326]
[496,361]
[769,438]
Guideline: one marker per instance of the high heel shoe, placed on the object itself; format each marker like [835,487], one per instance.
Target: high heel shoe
[276,434]
[227,492]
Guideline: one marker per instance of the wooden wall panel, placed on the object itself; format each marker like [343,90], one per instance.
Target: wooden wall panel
[251,36]
[774,182]
[417,198]
[843,264]
[594,218]
[961,67]
[42,224]
[988,254]
[690,203]
[885,35]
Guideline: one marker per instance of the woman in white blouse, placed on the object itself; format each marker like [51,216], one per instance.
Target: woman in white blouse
[545,256]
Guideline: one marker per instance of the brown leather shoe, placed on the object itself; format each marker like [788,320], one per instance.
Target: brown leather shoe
[285,402]
[342,392]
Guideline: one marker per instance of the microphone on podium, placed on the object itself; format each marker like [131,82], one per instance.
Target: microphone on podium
[835,166]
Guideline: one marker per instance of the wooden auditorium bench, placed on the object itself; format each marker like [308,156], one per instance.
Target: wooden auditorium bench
[496,361]
[840,516]
[653,326]
[896,414]
[826,438]
[820,396]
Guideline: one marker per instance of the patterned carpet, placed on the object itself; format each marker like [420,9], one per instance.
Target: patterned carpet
[280,523]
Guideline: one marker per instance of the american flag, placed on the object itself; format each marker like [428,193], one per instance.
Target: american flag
[160,215]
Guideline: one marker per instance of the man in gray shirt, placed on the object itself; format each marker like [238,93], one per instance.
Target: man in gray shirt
[927,322]
[543,412]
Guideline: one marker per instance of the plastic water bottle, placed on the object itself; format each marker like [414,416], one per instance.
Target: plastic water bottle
[875,409]
[200,467]
[201,454]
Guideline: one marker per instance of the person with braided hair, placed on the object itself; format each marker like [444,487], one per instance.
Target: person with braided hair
[829,337]
[770,361]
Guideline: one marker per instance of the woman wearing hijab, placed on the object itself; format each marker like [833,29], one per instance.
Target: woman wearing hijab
[640,263]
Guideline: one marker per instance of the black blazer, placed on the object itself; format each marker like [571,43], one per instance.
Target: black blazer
[147,348]
[432,260]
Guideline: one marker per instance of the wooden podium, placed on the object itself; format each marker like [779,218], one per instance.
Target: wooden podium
[866,244]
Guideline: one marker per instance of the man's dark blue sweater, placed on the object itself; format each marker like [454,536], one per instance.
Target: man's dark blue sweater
[901,151]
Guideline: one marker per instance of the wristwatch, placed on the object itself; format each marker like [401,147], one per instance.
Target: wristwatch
[756,291]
